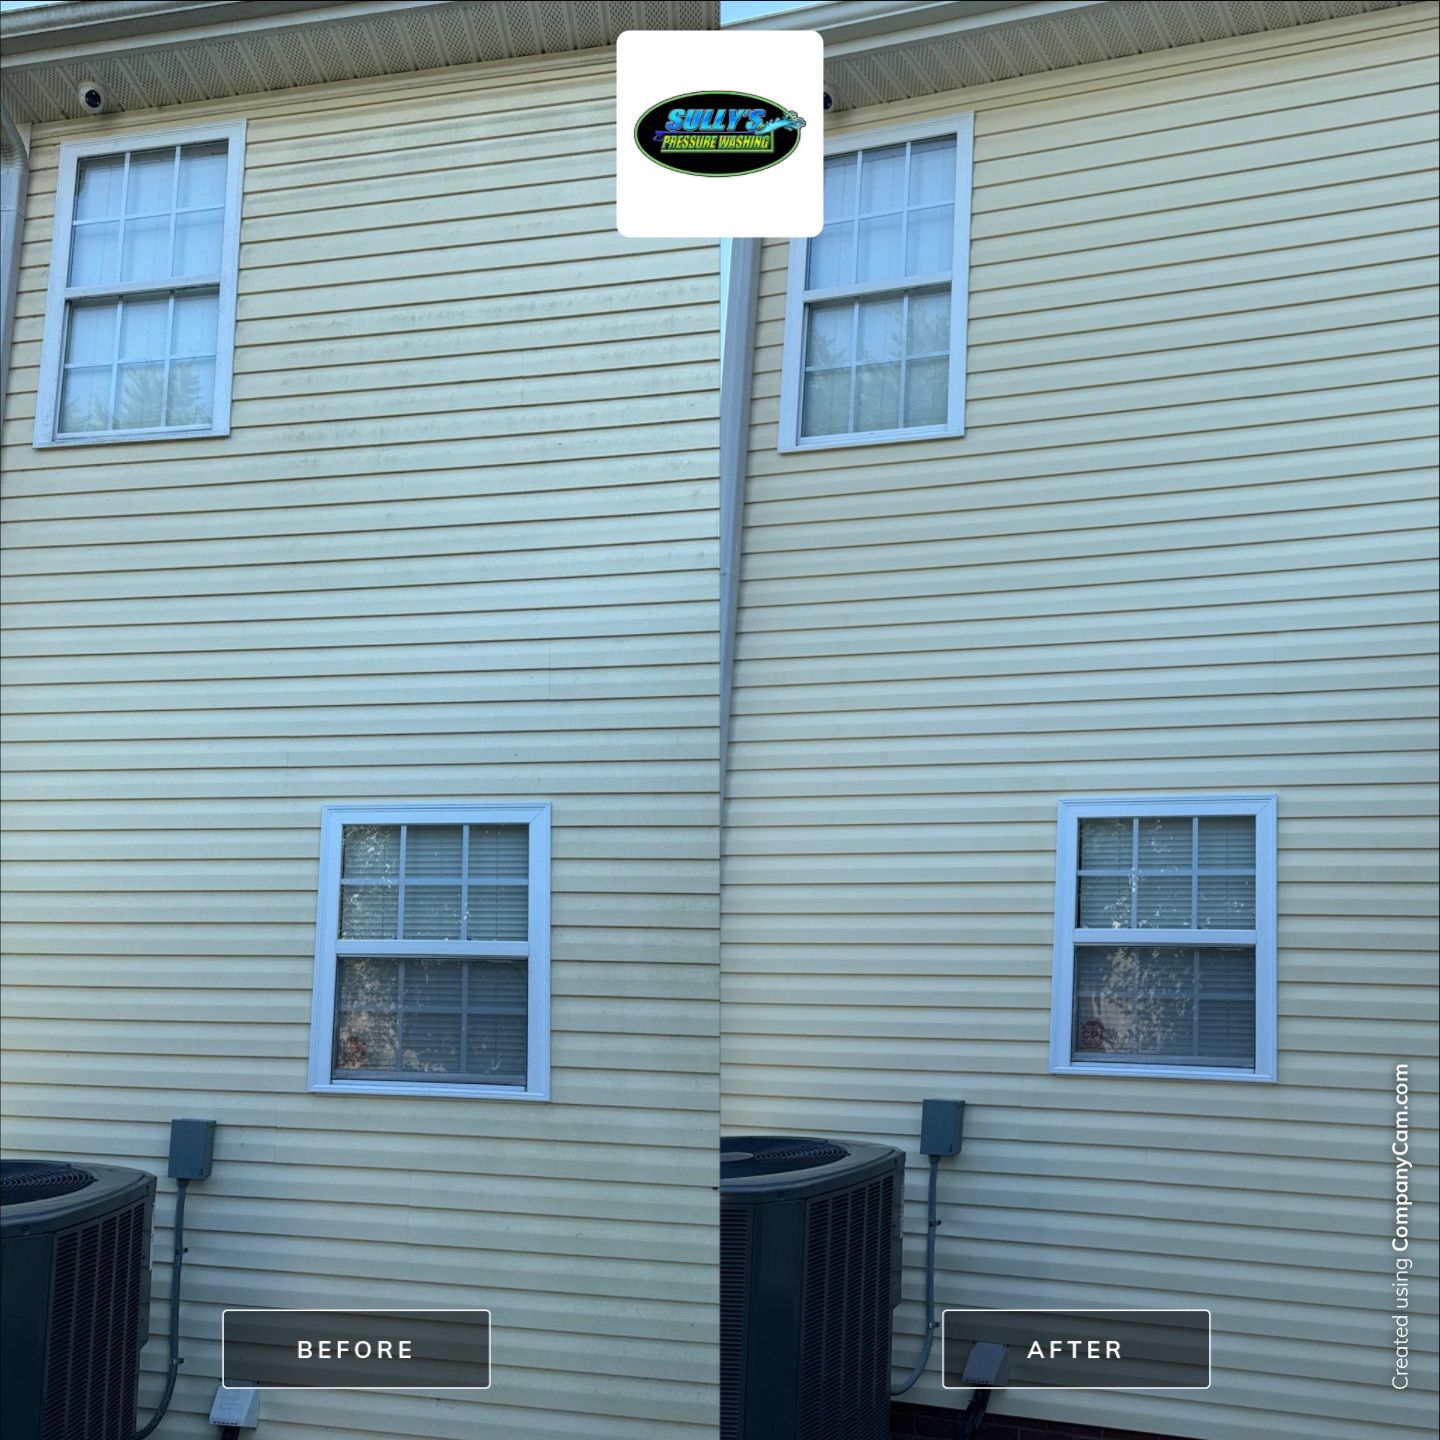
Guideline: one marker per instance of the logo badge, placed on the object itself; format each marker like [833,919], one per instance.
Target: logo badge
[718,133]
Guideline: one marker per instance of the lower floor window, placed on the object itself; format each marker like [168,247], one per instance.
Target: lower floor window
[1165,1004]
[432,951]
[448,1019]
[1165,937]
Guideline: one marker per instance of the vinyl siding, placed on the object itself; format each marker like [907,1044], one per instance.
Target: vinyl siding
[460,546]
[1185,545]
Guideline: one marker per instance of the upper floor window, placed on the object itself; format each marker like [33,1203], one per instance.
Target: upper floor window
[1165,937]
[876,305]
[432,951]
[140,316]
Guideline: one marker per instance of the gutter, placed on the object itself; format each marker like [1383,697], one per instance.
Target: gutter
[737,361]
[77,30]
[14,186]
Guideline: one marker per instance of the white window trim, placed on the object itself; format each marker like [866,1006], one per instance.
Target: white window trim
[1067,935]
[52,351]
[962,127]
[537,949]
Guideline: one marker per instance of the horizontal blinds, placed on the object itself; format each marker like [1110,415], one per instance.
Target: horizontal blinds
[435,882]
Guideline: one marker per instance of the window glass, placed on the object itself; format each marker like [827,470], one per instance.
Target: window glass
[880,361]
[1162,1003]
[143,357]
[457,1018]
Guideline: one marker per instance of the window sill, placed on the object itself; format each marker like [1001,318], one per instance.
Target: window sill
[428,1091]
[874,437]
[1166,1072]
[130,437]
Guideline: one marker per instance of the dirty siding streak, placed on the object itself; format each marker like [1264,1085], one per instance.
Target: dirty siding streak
[1183,546]
[460,546]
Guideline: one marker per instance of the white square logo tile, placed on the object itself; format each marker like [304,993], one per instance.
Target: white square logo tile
[719,134]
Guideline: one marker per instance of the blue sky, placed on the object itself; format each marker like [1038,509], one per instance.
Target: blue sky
[732,10]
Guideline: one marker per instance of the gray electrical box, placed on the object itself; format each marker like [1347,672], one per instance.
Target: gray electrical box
[192,1149]
[236,1407]
[942,1122]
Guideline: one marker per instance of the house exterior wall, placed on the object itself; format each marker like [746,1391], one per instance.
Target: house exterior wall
[460,546]
[1182,547]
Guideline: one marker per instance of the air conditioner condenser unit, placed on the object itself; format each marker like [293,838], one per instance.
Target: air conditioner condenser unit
[810,1270]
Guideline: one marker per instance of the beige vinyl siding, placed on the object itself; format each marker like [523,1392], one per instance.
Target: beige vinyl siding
[459,547]
[1186,545]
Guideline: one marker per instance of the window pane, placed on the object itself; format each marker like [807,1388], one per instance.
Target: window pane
[829,335]
[932,172]
[931,243]
[826,406]
[366,1021]
[1166,842]
[1163,902]
[369,984]
[1104,902]
[365,1040]
[832,256]
[877,397]
[882,180]
[370,852]
[146,250]
[140,396]
[95,253]
[1228,841]
[191,398]
[432,850]
[927,400]
[98,184]
[369,912]
[91,338]
[431,1044]
[501,852]
[496,1046]
[1165,1004]
[202,175]
[434,984]
[432,912]
[85,401]
[878,254]
[928,323]
[196,320]
[144,329]
[152,183]
[1226,902]
[840,187]
[197,242]
[498,912]
[881,330]
[1106,844]
[498,982]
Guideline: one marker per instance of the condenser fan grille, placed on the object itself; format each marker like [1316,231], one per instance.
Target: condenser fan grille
[744,1155]
[22,1180]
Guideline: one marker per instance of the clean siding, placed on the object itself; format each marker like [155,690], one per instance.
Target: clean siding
[1185,545]
[459,546]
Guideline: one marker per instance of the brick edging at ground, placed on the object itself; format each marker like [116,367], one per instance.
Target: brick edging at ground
[928,1422]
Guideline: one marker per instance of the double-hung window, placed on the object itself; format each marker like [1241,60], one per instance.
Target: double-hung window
[876,302]
[432,954]
[140,316]
[1165,938]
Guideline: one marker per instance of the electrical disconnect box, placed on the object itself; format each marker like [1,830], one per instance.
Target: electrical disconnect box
[236,1408]
[942,1123]
[192,1149]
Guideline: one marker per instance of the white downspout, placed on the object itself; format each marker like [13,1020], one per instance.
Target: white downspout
[737,361]
[14,184]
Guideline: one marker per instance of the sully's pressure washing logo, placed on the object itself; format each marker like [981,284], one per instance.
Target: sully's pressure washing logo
[718,132]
